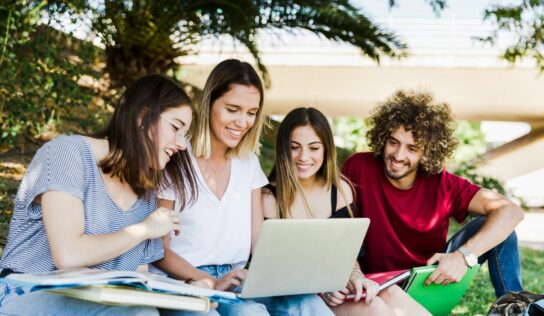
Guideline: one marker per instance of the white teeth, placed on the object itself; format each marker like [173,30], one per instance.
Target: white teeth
[303,166]
[397,165]
[234,132]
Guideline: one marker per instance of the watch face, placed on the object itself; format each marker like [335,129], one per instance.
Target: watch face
[471,260]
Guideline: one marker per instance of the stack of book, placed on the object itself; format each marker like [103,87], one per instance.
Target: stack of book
[123,288]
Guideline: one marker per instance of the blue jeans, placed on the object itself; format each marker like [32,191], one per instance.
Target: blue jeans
[292,305]
[503,259]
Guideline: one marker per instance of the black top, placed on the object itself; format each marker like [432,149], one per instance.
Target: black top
[341,213]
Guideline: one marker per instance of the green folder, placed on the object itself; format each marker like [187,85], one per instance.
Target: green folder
[438,299]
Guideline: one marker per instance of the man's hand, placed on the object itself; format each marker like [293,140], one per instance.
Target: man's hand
[451,268]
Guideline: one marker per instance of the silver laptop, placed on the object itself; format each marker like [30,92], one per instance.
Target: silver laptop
[300,256]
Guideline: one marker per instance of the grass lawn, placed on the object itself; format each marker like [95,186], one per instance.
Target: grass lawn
[481,295]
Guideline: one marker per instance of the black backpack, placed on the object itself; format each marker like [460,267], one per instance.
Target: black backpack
[523,303]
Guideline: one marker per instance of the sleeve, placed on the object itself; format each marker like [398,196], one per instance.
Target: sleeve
[258,179]
[153,251]
[461,193]
[57,166]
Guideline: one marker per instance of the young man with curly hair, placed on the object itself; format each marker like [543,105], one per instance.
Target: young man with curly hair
[403,188]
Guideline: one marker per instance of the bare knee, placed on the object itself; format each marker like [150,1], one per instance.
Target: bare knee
[377,307]
[391,293]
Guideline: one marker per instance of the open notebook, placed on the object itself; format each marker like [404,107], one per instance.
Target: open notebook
[71,278]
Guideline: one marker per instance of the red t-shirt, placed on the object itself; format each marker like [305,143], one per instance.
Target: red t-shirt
[406,226]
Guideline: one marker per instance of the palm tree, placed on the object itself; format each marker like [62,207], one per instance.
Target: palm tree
[146,36]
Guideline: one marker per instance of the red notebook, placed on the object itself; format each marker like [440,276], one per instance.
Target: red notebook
[384,280]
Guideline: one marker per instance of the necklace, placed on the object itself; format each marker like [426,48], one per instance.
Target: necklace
[114,188]
[119,191]
[216,172]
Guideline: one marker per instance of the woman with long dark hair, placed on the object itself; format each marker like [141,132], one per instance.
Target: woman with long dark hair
[91,201]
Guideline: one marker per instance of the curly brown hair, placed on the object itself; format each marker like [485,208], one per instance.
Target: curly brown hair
[432,126]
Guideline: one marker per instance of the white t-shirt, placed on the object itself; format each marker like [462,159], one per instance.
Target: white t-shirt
[218,231]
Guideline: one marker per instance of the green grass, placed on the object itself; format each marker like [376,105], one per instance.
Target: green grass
[481,295]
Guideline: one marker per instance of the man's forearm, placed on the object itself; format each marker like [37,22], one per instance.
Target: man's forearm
[500,223]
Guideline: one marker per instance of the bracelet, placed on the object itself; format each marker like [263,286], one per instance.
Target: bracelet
[358,271]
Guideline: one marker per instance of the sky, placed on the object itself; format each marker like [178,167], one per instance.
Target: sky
[420,9]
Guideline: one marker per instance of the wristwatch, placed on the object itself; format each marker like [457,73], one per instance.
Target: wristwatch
[470,259]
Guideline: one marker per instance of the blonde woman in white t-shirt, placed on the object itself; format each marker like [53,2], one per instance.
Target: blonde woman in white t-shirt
[219,230]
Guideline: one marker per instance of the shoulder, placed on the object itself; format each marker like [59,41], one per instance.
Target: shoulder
[253,159]
[348,190]
[66,141]
[99,147]
[246,161]
[359,160]
[346,198]
[64,148]
[270,207]
[452,180]
[362,168]
[249,163]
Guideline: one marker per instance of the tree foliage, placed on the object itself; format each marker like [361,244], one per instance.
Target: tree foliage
[39,73]
[42,69]
[146,36]
[525,21]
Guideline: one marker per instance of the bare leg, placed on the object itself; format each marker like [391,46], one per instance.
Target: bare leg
[401,303]
[376,307]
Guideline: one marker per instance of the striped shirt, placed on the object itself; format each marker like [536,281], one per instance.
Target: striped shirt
[67,164]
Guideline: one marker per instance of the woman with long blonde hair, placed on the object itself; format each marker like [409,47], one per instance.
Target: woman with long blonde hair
[90,201]
[220,229]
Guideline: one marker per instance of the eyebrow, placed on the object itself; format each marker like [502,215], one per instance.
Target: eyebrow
[312,143]
[239,107]
[398,141]
[182,123]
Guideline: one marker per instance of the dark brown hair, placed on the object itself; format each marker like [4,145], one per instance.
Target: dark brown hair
[132,148]
[431,124]
[283,173]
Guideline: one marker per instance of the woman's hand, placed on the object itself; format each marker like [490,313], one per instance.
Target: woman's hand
[161,222]
[231,280]
[207,284]
[357,282]
[334,298]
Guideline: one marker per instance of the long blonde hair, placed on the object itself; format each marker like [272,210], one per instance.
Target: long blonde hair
[227,73]
[284,174]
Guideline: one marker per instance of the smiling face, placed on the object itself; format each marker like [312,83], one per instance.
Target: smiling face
[401,157]
[172,126]
[233,114]
[307,151]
